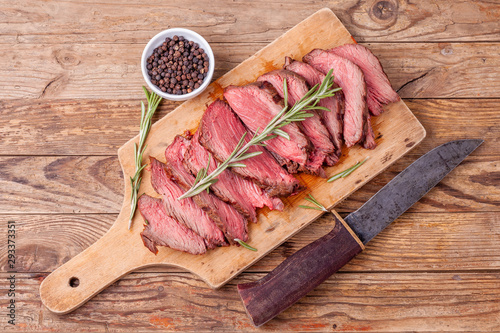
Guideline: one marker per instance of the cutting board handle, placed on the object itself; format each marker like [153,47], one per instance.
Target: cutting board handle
[300,273]
[104,262]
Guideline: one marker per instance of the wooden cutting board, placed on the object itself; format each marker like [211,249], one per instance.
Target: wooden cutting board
[121,251]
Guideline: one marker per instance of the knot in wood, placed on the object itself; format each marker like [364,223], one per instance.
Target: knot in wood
[384,10]
[446,48]
[384,13]
[67,58]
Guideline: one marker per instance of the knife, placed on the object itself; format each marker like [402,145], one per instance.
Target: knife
[309,267]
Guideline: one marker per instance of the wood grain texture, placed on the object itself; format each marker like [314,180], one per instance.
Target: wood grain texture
[93,184]
[64,184]
[454,301]
[98,71]
[445,242]
[100,127]
[91,22]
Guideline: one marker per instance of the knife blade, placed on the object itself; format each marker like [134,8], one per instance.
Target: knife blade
[307,268]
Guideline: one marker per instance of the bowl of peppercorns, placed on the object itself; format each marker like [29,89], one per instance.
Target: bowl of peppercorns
[177,64]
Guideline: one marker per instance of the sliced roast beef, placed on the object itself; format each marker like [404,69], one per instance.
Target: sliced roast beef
[243,194]
[162,230]
[379,90]
[351,79]
[232,223]
[220,131]
[312,127]
[331,119]
[257,104]
[185,211]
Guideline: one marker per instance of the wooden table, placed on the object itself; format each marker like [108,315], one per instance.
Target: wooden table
[70,87]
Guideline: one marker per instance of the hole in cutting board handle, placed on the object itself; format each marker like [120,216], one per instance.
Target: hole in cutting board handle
[74,282]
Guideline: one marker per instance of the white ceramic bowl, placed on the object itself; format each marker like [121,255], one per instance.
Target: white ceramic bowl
[189,35]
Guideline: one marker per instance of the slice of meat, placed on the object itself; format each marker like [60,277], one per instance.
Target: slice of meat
[257,104]
[243,194]
[162,230]
[351,79]
[232,223]
[185,211]
[379,90]
[220,131]
[312,127]
[331,119]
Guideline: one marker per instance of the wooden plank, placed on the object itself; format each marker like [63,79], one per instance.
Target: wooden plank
[98,71]
[452,119]
[100,22]
[91,184]
[415,242]
[88,70]
[61,184]
[443,70]
[100,127]
[454,301]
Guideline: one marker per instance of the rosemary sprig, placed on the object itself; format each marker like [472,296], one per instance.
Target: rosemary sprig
[146,115]
[346,172]
[314,202]
[298,112]
[245,245]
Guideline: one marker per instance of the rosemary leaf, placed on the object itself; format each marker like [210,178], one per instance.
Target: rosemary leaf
[208,164]
[249,155]
[281,133]
[237,165]
[269,137]
[309,207]
[346,172]
[320,108]
[245,245]
[354,168]
[142,168]
[201,188]
[337,176]
[199,175]
[304,114]
[240,143]
[312,200]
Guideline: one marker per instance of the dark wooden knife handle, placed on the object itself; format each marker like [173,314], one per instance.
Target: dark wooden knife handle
[300,273]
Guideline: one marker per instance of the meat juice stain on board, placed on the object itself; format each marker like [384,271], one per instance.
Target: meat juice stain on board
[379,137]
[263,212]
[217,92]
[269,66]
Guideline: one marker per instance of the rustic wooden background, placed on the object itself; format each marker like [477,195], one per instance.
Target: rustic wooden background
[70,87]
